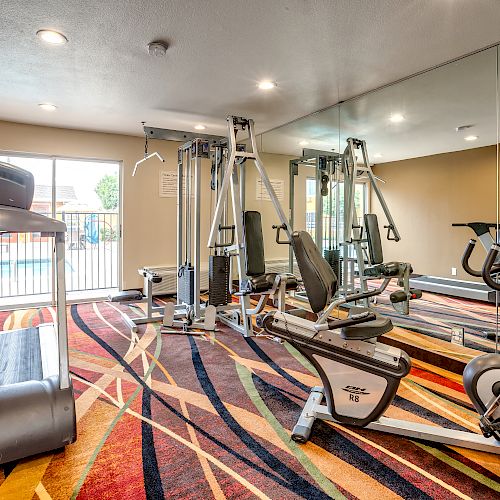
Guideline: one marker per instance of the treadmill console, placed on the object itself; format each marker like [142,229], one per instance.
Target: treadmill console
[16,186]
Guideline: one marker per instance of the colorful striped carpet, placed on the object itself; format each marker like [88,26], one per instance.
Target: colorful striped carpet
[175,416]
[435,315]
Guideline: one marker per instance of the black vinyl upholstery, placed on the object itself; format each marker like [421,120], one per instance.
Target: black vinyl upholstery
[258,280]
[319,279]
[254,241]
[264,282]
[374,240]
[368,330]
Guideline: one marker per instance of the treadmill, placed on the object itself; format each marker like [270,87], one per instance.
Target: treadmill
[462,288]
[37,408]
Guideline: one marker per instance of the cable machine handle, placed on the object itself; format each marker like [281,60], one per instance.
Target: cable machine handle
[465,259]
[488,267]
[226,243]
[278,229]
[390,229]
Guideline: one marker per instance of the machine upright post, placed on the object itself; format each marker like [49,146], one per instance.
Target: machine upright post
[318,223]
[62,332]
[180,211]
[197,260]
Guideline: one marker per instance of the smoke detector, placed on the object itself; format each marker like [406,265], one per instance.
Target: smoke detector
[157,49]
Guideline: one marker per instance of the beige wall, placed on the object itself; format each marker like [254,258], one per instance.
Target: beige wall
[148,221]
[277,168]
[426,195]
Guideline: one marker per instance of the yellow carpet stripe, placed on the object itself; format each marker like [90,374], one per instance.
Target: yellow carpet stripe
[22,482]
[188,444]
[210,477]
[42,492]
[401,460]
[460,466]
[441,407]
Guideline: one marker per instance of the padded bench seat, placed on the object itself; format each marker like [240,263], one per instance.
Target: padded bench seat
[387,270]
[264,283]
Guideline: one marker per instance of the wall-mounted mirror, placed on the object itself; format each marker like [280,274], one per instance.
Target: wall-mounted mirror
[431,148]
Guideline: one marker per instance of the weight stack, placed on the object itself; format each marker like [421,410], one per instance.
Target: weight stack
[218,280]
[333,258]
[185,291]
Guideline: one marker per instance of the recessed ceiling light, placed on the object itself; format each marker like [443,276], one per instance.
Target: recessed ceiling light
[52,37]
[200,127]
[471,138]
[267,85]
[303,143]
[396,118]
[377,155]
[48,107]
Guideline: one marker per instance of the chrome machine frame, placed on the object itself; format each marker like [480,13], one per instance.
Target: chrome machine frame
[233,178]
[354,172]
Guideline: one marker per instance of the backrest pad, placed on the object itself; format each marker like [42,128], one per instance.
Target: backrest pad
[254,241]
[374,240]
[319,279]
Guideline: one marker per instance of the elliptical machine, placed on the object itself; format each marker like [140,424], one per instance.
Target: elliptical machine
[361,376]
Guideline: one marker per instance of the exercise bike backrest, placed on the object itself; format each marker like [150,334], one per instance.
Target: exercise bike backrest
[319,279]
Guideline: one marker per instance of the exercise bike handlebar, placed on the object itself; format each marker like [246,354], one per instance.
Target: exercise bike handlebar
[465,259]
[488,267]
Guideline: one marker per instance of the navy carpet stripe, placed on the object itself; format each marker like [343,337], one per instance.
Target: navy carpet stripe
[262,355]
[150,470]
[338,445]
[294,482]
[84,328]
[420,411]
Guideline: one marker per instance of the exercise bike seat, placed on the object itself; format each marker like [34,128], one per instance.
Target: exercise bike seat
[368,330]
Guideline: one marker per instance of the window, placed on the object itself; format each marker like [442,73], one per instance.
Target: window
[85,195]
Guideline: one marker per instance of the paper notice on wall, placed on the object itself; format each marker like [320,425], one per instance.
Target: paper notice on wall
[261,191]
[168,184]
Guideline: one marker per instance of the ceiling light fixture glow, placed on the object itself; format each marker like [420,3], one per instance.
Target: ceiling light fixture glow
[267,85]
[396,118]
[52,37]
[200,127]
[47,106]
[303,143]
[471,138]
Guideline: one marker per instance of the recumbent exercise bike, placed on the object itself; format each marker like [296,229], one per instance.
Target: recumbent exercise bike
[361,376]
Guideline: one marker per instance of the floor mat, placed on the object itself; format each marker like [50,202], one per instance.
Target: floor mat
[174,416]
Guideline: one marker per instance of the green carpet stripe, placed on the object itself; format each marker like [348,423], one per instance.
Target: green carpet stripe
[300,358]
[444,400]
[464,469]
[119,415]
[246,380]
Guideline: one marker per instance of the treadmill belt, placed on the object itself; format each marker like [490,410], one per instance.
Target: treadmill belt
[20,357]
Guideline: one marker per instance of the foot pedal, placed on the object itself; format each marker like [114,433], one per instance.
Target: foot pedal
[168,315]
[210,317]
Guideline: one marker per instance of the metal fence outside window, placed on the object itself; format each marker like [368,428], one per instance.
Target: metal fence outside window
[26,259]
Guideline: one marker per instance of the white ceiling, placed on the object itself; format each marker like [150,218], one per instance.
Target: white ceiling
[433,104]
[319,52]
